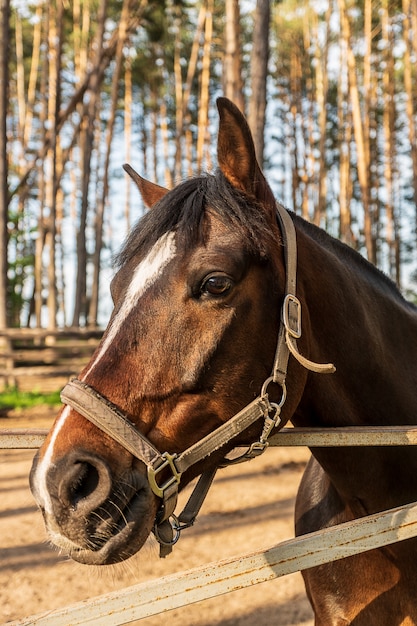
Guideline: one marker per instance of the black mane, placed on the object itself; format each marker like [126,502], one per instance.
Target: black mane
[183,210]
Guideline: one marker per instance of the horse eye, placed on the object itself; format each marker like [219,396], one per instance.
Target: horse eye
[217,285]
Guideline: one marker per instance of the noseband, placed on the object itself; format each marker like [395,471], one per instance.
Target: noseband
[106,416]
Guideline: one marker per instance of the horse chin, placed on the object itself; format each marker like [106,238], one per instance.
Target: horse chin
[115,541]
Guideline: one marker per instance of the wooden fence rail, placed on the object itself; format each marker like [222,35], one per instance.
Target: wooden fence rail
[39,359]
[331,544]
[170,592]
[27,438]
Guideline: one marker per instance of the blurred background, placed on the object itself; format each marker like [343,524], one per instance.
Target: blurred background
[329,87]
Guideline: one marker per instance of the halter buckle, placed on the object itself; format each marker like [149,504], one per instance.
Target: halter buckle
[169,461]
[291,315]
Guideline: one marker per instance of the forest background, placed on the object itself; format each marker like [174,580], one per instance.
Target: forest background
[329,87]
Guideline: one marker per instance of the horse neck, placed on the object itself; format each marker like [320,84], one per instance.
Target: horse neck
[358,320]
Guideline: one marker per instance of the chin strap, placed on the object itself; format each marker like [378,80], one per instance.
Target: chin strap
[165,470]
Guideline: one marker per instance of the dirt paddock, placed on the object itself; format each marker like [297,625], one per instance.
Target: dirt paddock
[249,507]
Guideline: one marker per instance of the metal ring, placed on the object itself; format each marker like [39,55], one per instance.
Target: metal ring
[175,527]
[283,387]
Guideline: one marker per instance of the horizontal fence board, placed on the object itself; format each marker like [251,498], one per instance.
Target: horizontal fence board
[18,334]
[49,355]
[22,438]
[346,436]
[312,437]
[338,542]
[215,579]
[34,358]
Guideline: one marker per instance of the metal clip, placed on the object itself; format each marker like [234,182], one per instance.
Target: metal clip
[270,423]
[153,471]
[256,449]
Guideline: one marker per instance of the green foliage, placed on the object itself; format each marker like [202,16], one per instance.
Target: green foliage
[12,397]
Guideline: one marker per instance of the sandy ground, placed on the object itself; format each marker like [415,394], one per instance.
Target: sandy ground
[249,507]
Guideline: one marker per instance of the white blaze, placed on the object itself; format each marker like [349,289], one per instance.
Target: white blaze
[145,274]
[39,483]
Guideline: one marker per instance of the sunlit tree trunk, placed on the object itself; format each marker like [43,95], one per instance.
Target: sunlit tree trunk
[321,88]
[408,85]
[41,191]
[361,140]
[179,97]
[128,134]
[232,60]
[33,76]
[307,115]
[20,82]
[389,114]
[4,200]
[99,214]
[154,137]
[54,53]
[204,86]
[370,131]
[344,141]
[60,262]
[187,90]
[295,93]
[86,145]
[169,183]
[259,73]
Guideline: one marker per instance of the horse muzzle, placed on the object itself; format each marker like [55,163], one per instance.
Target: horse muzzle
[95,518]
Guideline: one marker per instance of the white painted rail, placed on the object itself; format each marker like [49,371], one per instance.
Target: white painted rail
[313,437]
[22,438]
[346,436]
[215,579]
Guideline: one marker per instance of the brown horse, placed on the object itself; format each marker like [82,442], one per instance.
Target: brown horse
[204,293]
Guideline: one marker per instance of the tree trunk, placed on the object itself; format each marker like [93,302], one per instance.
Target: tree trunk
[389,115]
[344,142]
[4,90]
[408,85]
[179,99]
[54,53]
[232,61]
[33,77]
[87,142]
[99,218]
[321,101]
[361,140]
[128,134]
[204,86]
[259,73]
[183,132]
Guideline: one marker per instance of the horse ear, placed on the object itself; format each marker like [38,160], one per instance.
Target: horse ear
[236,154]
[150,192]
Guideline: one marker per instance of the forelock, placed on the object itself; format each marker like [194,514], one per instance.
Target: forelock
[184,208]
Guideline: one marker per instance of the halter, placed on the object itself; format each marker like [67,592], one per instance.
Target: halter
[106,416]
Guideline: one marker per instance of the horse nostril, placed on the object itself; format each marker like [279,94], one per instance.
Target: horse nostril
[79,483]
[85,482]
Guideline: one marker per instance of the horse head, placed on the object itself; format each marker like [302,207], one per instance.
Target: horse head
[197,301]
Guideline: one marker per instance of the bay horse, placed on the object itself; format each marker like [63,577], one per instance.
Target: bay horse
[208,295]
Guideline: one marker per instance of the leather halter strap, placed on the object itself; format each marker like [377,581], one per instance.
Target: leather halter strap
[106,416]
